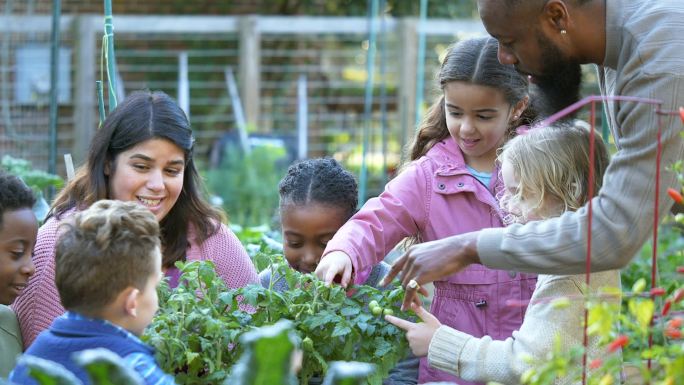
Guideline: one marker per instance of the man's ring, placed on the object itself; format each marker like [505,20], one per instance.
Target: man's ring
[412,284]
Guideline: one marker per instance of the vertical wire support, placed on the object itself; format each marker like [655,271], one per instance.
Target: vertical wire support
[100,102]
[302,118]
[420,82]
[383,92]
[54,84]
[110,57]
[590,192]
[368,102]
[656,202]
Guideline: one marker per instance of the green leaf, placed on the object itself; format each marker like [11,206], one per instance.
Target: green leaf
[350,311]
[251,294]
[320,319]
[191,356]
[227,299]
[348,373]
[382,347]
[47,372]
[600,320]
[106,368]
[341,330]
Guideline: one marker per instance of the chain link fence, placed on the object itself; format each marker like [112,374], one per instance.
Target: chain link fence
[187,57]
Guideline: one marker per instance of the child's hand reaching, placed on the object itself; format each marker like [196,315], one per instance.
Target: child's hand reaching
[336,263]
[419,334]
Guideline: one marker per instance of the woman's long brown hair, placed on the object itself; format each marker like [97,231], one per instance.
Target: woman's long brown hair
[142,116]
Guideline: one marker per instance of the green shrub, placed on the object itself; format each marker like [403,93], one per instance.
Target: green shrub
[196,331]
[248,184]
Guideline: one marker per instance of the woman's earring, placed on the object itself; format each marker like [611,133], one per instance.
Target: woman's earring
[563,32]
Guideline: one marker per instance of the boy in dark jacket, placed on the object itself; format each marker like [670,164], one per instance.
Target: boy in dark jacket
[108,266]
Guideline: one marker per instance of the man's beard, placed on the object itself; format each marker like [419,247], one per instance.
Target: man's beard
[559,85]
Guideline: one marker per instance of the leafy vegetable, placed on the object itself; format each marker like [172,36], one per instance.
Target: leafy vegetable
[197,330]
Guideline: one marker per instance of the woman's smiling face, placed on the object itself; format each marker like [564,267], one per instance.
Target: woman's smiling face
[150,173]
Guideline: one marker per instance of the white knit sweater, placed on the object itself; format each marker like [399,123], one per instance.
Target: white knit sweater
[483,359]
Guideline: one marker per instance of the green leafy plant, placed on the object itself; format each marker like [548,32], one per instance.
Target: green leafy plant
[38,180]
[347,373]
[260,242]
[196,331]
[627,333]
[46,372]
[267,356]
[247,183]
[102,365]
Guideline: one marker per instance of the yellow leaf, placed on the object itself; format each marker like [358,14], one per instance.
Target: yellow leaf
[610,290]
[527,376]
[560,303]
[639,286]
[607,379]
[600,320]
[642,311]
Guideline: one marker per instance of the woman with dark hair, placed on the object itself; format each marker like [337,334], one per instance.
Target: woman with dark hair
[142,153]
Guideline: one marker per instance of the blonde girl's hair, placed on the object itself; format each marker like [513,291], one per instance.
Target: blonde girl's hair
[473,61]
[552,164]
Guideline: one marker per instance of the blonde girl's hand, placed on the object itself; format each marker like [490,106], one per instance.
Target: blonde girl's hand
[419,334]
[336,263]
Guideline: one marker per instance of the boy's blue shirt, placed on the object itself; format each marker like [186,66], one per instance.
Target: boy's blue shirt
[73,332]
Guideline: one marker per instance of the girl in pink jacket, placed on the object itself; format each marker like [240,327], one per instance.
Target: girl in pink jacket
[449,188]
[142,153]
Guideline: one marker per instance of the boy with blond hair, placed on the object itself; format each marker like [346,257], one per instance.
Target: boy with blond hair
[108,266]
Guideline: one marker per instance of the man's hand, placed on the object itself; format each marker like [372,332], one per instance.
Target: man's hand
[334,264]
[420,334]
[430,261]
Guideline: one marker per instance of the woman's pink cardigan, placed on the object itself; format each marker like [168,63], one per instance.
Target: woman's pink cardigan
[39,304]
